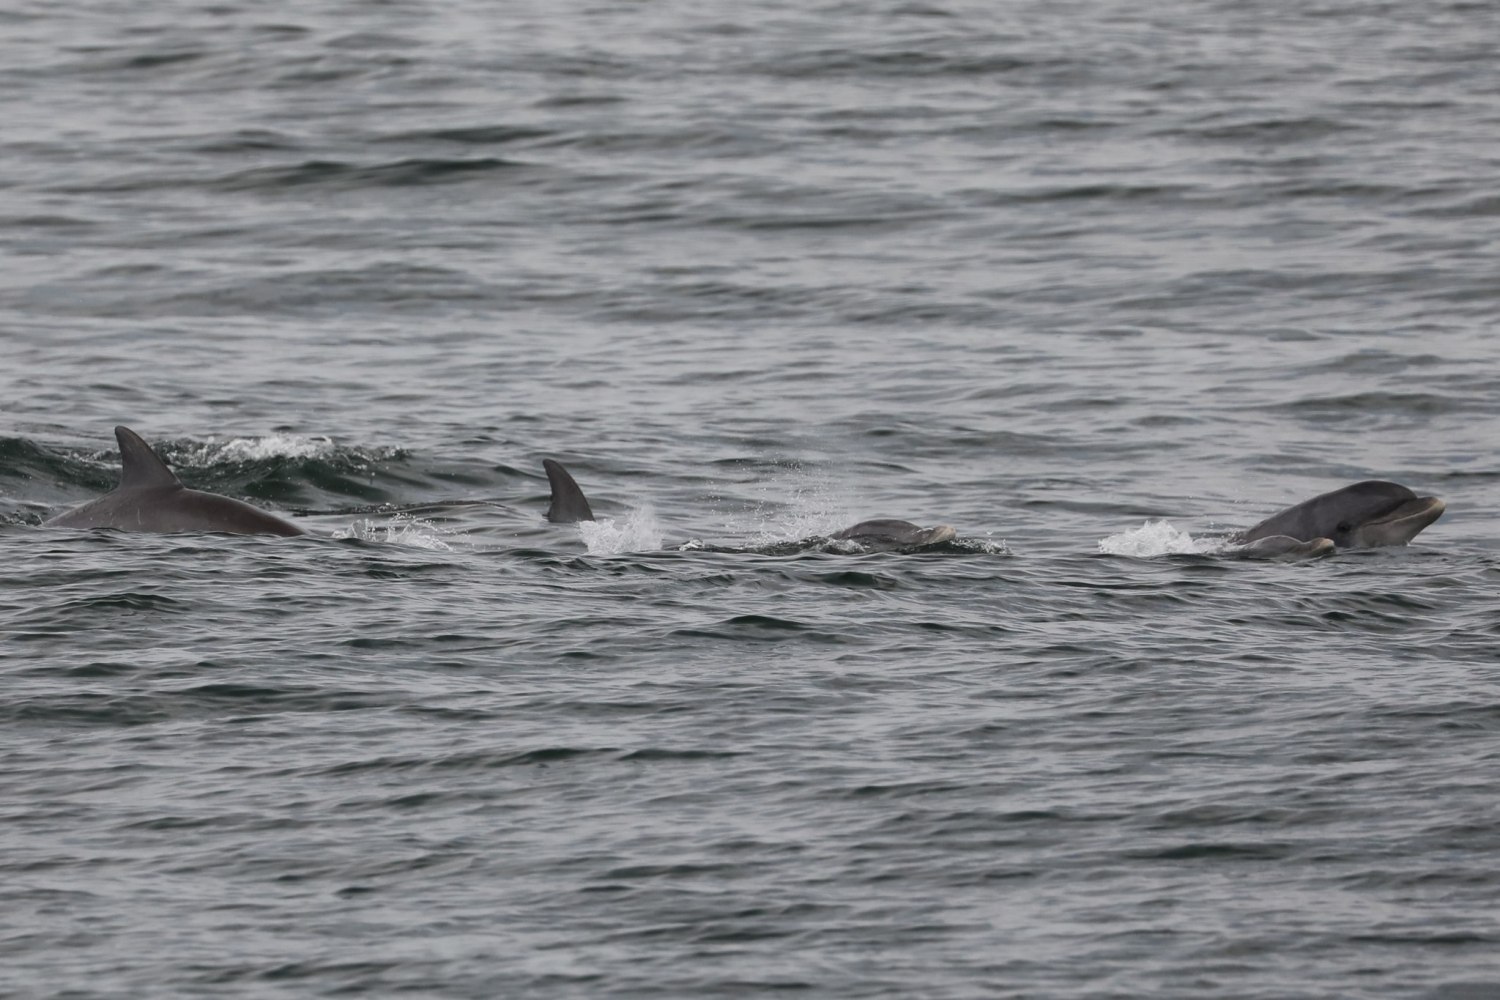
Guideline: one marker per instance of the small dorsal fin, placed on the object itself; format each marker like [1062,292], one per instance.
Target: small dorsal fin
[140,467]
[568,502]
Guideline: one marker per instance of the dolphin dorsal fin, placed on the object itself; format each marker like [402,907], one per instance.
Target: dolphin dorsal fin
[568,502]
[140,467]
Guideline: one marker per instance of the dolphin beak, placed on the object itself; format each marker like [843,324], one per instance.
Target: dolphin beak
[1401,524]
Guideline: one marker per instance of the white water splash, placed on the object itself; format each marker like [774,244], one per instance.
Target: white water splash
[989,545]
[637,531]
[800,523]
[403,529]
[259,449]
[1156,538]
[793,503]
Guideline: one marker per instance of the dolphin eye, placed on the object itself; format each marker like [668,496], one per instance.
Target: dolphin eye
[1343,527]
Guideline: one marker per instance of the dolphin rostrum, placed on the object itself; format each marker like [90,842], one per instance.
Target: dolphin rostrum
[150,498]
[569,505]
[1361,516]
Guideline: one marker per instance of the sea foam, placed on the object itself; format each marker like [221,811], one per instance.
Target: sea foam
[1156,538]
[636,531]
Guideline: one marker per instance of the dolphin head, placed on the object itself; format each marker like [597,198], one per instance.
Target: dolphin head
[1372,519]
[1364,515]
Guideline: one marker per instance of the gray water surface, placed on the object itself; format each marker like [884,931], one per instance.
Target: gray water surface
[1095,283]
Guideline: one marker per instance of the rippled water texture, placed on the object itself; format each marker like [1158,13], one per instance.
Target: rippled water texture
[1097,284]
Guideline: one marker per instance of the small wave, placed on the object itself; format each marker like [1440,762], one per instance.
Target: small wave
[478,135]
[1155,538]
[848,547]
[637,531]
[350,176]
[403,529]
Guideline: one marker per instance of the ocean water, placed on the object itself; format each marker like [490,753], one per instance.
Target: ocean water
[1096,284]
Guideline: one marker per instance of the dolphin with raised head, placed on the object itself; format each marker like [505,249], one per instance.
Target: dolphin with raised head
[569,505]
[1364,515]
[151,498]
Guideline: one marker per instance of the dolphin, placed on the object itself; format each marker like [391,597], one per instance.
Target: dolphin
[1364,515]
[151,498]
[569,505]
[1284,548]
[889,532]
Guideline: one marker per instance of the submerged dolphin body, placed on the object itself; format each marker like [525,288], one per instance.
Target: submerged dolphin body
[1284,547]
[1364,515]
[569,505]
[150,498]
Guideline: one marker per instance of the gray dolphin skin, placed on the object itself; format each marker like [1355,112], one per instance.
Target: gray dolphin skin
[886,531]
[569,505]
[1284,547]
[1364,515]
[150,498]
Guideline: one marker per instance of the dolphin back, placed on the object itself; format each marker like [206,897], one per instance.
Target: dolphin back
[150,498]
[568,502]
[140,466]
[892,531]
